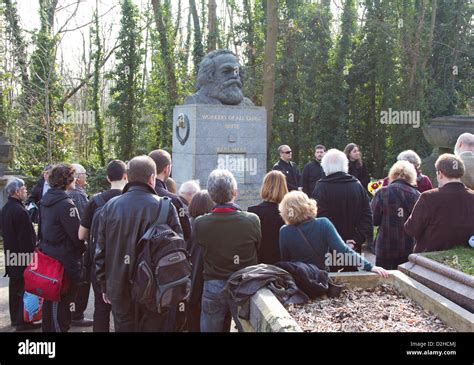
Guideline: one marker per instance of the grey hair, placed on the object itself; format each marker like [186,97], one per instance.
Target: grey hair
[465,138]
[334,161]
[410,156]
[221,185]
[13,185]
[79,168]
[190,187]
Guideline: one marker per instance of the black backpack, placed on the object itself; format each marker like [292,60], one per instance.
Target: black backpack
[162,273]
[94,230]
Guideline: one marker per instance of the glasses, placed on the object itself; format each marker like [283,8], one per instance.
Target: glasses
[287,152]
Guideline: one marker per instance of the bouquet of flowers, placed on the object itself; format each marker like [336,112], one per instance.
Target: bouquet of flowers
[374,186]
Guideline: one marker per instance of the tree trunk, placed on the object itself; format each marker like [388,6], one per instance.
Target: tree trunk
[417,45]
[212,26]
[250,33]
[198,49]
[269,63]
[167,57]
[19,46]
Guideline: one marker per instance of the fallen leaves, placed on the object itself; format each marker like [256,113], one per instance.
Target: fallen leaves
[378,309]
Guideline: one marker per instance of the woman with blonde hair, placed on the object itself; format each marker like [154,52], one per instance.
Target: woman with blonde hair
[391,208]
[314,240]
[272,192]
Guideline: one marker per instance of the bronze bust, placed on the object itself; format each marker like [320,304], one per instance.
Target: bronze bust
[219,80]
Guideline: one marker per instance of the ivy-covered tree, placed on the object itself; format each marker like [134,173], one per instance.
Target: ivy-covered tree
[96,90]
[126,93]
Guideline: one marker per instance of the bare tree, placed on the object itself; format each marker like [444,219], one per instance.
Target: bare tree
[212,26]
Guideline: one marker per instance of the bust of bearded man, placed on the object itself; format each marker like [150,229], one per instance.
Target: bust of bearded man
[219,80]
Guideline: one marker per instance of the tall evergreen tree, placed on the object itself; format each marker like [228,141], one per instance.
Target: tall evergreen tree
[96,81]
[126,92]
[334,119]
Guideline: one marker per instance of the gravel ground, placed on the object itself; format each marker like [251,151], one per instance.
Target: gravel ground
[379,309]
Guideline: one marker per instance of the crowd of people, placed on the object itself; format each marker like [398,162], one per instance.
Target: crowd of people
[313,217]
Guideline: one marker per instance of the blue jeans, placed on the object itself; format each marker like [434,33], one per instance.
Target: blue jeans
[215,313]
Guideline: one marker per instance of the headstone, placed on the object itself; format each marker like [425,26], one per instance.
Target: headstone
[208,136]
[218,127]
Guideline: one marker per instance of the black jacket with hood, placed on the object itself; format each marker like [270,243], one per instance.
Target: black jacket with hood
[59,227]
[343,200]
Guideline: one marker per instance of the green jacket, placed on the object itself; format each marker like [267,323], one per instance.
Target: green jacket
[229,240]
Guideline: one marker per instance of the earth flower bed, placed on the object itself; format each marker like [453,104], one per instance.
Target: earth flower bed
[377,309]
[267,314]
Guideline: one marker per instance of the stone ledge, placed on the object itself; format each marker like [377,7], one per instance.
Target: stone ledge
[267,314]
[448,282]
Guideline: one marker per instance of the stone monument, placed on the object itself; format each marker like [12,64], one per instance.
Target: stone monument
[217,127]
[442,133]
[6,157]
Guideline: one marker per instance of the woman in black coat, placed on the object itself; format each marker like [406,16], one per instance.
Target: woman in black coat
[272,192]
[356,167]
[59,239]
[201,204]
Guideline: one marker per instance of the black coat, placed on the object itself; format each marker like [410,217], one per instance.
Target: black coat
[123,221]
[59,227]
[36,193]
[270,223]
[342,199]
[309,278]
[290,170]
[360,172]
[312,172]
[19,236]
[161,190]
[35,197]
[79,197]
[193,313]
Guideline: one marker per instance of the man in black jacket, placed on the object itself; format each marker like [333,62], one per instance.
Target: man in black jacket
[343,200]
[117,178]
[123,221]
[313,171]
[38,191]
[79,197]
[163,170]
[19,239]
[289,168]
